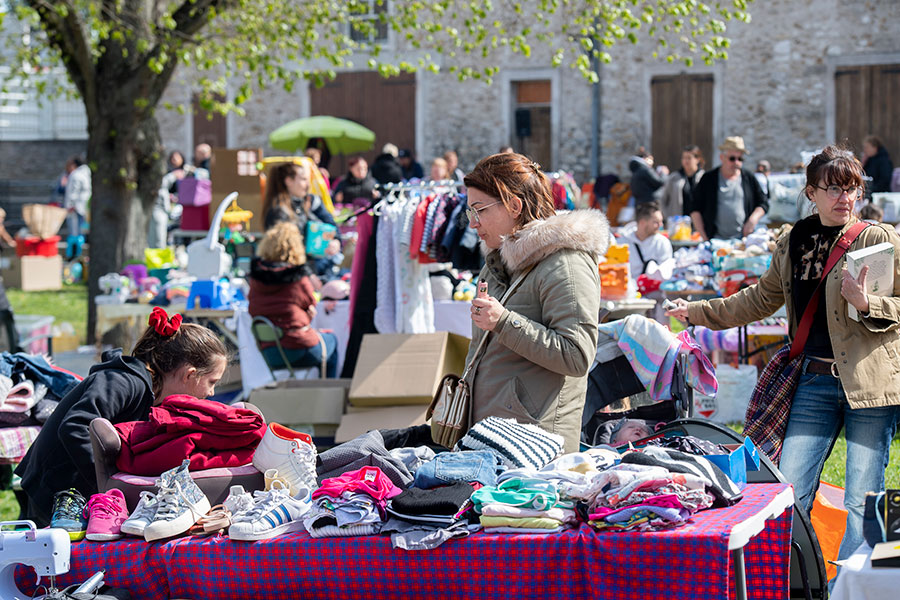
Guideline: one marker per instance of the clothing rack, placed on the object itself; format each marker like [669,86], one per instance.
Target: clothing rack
[392,188]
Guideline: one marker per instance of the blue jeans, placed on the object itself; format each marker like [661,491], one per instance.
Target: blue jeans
[453,467]
[307,357]
[818,413]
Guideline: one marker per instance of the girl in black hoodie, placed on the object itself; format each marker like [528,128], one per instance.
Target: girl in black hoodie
[170,358]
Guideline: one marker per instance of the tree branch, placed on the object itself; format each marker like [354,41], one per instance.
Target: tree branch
[67,34]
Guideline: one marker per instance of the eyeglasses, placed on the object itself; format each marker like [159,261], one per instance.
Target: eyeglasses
[472,213]
[834,191]
[736,158]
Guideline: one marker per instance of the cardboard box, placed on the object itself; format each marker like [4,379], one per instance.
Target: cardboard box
[743,457]
[358,420]
[34,273]
[395,369]
[296,403]
[235,171]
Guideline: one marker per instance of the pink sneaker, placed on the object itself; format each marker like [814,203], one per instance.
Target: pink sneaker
[106,513]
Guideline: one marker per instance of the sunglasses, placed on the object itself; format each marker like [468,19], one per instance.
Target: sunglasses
[736,158]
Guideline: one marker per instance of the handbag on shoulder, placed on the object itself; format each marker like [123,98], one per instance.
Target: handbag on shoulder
[770,404]
[451,407]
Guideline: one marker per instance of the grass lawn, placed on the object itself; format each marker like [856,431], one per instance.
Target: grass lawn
[68,304]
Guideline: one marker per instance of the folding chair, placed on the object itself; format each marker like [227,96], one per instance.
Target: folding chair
[266,332]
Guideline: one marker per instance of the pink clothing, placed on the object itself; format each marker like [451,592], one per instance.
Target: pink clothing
[210,433]
[367,480]
[661,501]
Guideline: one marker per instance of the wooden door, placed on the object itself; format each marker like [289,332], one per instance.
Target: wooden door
[682,114]
[867,101]
[387,106]
[532,131]
[209,128]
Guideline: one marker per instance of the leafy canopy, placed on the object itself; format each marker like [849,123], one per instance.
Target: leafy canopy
[257,43]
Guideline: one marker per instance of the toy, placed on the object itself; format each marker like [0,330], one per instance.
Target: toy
[207,258]
[465,291]
[116,289]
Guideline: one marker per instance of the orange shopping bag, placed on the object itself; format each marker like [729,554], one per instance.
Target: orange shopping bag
[829,519]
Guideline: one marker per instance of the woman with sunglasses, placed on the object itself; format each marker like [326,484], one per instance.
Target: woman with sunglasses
[851,372]
[543,338]
[728,202]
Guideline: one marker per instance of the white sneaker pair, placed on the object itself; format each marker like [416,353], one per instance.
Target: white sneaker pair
[273,513]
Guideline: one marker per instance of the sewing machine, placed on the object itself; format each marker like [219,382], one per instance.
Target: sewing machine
[47,550]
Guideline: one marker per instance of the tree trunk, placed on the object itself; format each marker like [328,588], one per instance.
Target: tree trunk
[125,155]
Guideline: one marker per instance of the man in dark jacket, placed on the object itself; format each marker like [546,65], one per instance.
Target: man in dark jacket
[728,201]
[877,164]
[118,389]
[386,168]
[646,182]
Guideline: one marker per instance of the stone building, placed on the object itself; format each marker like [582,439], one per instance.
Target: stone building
[801,74]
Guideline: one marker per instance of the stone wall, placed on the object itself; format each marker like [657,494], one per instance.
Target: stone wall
[776,90]
[38,160]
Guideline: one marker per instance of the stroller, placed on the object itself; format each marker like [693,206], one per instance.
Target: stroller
[614,380]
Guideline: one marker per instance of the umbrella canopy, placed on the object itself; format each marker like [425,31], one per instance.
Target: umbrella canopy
[341,136]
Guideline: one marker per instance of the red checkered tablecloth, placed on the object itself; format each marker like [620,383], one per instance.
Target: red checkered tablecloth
[692,562]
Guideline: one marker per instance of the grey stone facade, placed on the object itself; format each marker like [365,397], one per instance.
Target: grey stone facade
[776,90]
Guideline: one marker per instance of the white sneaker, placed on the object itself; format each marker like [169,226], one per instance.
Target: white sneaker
[142,516]
[274,512]
[181,503]
[238,501]
[291,453]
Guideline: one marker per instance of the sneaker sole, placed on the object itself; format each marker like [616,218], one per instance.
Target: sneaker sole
[167,529]
[133,529]
[254,536]
[76,536]
[102,537]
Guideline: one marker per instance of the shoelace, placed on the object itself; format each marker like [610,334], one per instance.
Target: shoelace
[69,504]
[146,507]
[239,504]
[169,507]
[304,457]
[264,502]
[103,505]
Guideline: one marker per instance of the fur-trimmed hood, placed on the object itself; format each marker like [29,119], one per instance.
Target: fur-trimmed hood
[586,230]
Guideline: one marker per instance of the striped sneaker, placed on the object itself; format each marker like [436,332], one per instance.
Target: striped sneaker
[273,513]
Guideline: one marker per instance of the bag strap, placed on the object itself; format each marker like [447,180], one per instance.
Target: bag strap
[837,253]
[518,280]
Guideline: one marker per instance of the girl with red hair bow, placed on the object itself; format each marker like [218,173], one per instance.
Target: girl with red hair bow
[170,358]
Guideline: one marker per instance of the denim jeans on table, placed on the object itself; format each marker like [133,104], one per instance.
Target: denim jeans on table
[307,357]
[452,467]
[818,413]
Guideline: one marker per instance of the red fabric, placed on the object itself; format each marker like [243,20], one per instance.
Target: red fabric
[287,306]
[559,195]
[210,433]
[163,324]
[418,228]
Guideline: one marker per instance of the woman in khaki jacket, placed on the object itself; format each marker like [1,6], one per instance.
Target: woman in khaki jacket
[543,341]
[851,374]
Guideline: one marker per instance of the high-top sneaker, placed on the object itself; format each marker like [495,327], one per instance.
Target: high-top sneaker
[291,453]
[181,503]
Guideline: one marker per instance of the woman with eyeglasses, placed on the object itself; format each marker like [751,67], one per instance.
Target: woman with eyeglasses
[543,338]
[851,369]
[728,202]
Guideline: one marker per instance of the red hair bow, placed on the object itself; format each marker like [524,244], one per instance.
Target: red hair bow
[163,324]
